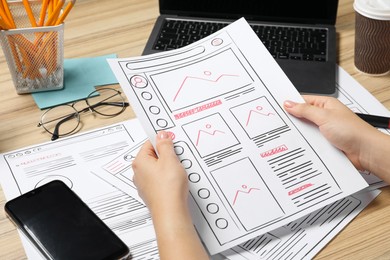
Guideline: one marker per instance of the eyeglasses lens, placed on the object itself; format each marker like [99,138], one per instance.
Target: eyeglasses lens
[108,102]
[64,117]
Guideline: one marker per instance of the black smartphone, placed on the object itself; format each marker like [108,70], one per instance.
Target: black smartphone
[62,226]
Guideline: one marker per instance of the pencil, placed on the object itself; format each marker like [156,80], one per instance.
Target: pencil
[4,17]
[1,9]
[4,24]
[65,13]
[29,12]
[50,7]
[54,15]
[8,14]
[42,13]
[15,53]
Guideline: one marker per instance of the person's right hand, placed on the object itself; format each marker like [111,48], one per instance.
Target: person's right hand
[339,125]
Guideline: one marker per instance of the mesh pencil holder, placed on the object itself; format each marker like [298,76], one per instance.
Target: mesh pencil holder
[35,57]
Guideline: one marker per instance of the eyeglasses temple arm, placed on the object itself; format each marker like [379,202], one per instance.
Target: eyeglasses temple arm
[57,127]
[117,104]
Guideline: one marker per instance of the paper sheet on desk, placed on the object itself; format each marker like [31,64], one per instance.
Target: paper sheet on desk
[71,160]
[305,237]
[221,98]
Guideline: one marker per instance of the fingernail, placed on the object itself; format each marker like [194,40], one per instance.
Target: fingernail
[163,135]
[289,103]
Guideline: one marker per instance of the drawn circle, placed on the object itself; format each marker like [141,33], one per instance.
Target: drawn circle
[138,81]
[179,150]
[162,123]
[50,178]
[128,157]
[154,110]
[221,223]
[259,108]
[186,163]
[146,95]
[216,42]
[208,126]
[194,177]
[212,208]
[207,73]
[204,193]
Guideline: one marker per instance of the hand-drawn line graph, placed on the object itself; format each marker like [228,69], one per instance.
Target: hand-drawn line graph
[120,166]
[242,198]
[207,74]
[208,126]
[244,190]
[257,117]
[209,137]
[189,85]
[258,111]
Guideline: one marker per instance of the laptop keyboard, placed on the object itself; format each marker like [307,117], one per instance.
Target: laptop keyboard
[282,42]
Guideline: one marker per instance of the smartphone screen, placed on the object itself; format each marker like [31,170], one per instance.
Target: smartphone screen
[62,226]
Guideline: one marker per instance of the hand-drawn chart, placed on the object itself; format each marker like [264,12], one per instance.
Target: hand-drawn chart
[119,166]
[210,134]
[210,77]
[257,117]
[242,185]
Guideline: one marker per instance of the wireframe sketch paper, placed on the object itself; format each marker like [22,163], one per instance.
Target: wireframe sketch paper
[306,236]
[71,160]
[251,166]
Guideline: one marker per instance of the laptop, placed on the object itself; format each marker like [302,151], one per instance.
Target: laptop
[300,34]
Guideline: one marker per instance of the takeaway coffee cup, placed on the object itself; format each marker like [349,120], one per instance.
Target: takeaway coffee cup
[372,36]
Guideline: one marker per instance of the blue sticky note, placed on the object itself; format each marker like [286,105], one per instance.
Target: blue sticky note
[81,76]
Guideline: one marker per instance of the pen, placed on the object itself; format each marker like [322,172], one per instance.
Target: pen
[376,121]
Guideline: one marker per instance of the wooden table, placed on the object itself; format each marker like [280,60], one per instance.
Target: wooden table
[102,27]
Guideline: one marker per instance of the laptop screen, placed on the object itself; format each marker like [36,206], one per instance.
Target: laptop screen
[298,11]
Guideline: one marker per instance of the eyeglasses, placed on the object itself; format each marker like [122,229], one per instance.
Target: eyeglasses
[65,119]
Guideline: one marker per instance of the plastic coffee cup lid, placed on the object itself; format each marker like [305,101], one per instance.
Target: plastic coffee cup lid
[374,9]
